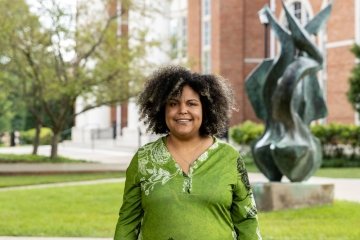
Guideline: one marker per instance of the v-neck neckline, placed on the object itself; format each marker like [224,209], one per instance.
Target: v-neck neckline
[195,162]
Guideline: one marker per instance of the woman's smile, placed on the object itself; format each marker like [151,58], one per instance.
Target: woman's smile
[183,114]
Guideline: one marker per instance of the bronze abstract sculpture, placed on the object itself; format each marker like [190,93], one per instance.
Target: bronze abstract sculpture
[286,95]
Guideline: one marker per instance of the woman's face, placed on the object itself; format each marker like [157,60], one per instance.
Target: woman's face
[183,115]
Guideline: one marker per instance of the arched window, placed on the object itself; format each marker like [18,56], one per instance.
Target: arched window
[300,8]
[300,12]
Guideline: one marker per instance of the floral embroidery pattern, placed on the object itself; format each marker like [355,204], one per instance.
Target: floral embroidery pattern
[243,173]
[251,211]
[151,159]
[187,185]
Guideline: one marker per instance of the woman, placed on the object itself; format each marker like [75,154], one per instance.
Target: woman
[188,184]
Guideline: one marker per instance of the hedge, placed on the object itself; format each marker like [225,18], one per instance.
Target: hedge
[27,137]
[340,142]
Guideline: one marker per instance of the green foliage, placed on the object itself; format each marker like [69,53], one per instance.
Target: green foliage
[246,132]
[27,137]
[340,144]
[73,55]
[354,81]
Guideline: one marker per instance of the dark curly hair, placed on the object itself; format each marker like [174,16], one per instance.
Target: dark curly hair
[215,95]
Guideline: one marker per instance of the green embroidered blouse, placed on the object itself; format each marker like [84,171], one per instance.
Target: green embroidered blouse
[213,201]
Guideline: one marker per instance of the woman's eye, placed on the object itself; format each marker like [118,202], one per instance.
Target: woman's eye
[192,104]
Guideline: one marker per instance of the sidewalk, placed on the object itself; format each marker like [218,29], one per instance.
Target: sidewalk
[114,155]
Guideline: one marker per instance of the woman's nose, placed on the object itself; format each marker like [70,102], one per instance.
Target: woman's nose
[183,108]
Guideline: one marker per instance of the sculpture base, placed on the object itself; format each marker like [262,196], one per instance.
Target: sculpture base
[276,196]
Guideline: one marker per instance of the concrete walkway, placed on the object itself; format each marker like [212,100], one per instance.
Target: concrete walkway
[113,155]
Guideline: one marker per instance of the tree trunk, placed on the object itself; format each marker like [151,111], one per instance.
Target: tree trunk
[12,139]
[54,145]
[36,141]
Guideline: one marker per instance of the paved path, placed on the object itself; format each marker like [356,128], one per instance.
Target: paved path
[109,156]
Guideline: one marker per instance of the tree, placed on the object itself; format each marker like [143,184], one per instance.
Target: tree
[21,29]
[354,81]
[74,53]
[13,109]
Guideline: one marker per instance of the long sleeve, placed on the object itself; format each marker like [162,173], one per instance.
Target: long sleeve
[131,212]
[243,209]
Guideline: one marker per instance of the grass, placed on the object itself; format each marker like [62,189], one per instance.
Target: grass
[67,211]
[29,158]
[322,172]
[338,172]
[14,180]
[92,211]
[338,221]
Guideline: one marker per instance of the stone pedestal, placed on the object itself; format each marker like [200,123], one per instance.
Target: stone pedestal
[276,196]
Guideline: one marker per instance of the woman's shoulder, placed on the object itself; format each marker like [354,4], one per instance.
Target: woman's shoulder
[154,150]
[152,144]
[225,146]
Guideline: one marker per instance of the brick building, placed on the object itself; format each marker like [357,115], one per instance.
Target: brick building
[227,38]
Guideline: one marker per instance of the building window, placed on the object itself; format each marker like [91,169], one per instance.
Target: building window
[178,38]
[300,12]
[297,10]
[206,7]
[183,37]
[206,36]
[206,62]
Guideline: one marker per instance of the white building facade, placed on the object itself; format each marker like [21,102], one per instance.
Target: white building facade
[121,123]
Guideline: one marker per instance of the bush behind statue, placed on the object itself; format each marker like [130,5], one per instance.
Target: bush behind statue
[27,137]
[340,142]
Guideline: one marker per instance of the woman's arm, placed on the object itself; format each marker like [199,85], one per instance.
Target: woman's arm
[243,208]
[131,212]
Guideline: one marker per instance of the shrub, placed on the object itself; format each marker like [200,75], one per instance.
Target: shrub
[27,137]
[246,133]
[340,142]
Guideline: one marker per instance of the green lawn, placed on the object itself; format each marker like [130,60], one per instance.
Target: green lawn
[92,211]
[13,180]
[338,172]
[66,211]
[337,222]
[29,158]
[322,172]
